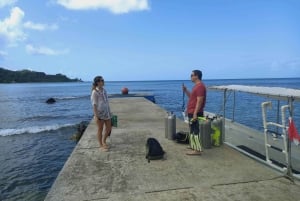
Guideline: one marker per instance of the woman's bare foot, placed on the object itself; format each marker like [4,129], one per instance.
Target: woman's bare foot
[104,149]
[105,145]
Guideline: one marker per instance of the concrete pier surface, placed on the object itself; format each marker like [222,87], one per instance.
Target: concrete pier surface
[123,173]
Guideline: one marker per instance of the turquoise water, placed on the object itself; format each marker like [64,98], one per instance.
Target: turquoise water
[35,137]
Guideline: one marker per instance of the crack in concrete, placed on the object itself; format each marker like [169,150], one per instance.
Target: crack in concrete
[102,198]
[80,148]
[170,189]
[246,182]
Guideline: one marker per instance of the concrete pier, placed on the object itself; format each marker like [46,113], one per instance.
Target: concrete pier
[123,173]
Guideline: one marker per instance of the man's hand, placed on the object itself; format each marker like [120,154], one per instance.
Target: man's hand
[195,117]
[184,88]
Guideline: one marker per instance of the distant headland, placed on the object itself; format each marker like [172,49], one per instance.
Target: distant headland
[23,76]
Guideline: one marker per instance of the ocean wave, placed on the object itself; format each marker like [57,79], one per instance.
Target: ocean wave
[34,129]
[142,90]
[70,97]
[41,118]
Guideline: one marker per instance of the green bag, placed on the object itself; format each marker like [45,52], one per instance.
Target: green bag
[216,136]
[114,121]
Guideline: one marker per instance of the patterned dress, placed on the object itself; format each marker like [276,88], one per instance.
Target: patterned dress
[100,99]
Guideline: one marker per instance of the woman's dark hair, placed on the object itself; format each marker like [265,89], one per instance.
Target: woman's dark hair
[96,80]
[198,73]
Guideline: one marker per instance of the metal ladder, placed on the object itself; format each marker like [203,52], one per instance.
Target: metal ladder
[284,135]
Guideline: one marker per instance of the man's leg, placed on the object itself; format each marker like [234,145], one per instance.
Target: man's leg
[194,138]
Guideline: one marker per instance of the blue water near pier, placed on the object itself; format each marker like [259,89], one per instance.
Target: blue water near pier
[35,136]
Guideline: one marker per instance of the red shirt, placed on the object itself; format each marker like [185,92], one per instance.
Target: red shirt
[199,90]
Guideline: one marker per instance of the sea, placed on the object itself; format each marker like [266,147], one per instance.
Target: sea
[35,137]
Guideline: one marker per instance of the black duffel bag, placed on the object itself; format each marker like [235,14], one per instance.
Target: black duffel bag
[182,137]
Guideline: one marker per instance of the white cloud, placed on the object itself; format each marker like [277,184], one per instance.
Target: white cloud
[11,27]
[12,31]
[44,50]
[4,3]
[291,64]
[40,27]
[114,6]
[2,54]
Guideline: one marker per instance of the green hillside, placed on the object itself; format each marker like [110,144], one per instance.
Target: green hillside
[22,76]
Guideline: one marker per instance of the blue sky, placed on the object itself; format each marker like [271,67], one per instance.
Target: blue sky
[152,39]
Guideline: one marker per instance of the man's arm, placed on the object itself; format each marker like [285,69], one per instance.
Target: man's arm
[198,105]
[185,90]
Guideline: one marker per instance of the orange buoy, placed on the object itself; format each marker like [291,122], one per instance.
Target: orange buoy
[125,90]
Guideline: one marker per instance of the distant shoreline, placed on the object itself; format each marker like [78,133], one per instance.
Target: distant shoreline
[27,76]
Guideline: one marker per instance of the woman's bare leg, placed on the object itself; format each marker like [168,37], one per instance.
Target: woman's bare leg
[100,124]
[107,131]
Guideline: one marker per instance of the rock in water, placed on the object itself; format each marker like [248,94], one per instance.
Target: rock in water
[50,101]
[80,130]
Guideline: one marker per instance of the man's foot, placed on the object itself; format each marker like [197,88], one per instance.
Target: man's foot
[194,153]
[105,145]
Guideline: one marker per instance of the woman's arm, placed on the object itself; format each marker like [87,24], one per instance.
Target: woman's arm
[94,103]
[95,111]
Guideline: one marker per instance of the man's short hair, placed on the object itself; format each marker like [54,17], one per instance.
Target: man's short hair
[198,73]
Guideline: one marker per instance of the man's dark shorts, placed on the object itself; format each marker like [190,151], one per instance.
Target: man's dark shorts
[194,125]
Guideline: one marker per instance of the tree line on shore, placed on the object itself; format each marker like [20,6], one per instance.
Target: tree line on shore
[22,76]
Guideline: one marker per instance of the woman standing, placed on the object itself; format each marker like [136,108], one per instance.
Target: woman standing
[101,110]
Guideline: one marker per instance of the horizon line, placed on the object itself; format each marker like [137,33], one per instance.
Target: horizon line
[202,79]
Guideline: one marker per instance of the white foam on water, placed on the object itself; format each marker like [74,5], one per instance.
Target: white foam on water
[34,129]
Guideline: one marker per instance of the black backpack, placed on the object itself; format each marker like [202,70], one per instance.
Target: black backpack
[182,137]
[153,150]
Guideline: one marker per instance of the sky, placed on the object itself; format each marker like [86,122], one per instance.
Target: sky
[127,40]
